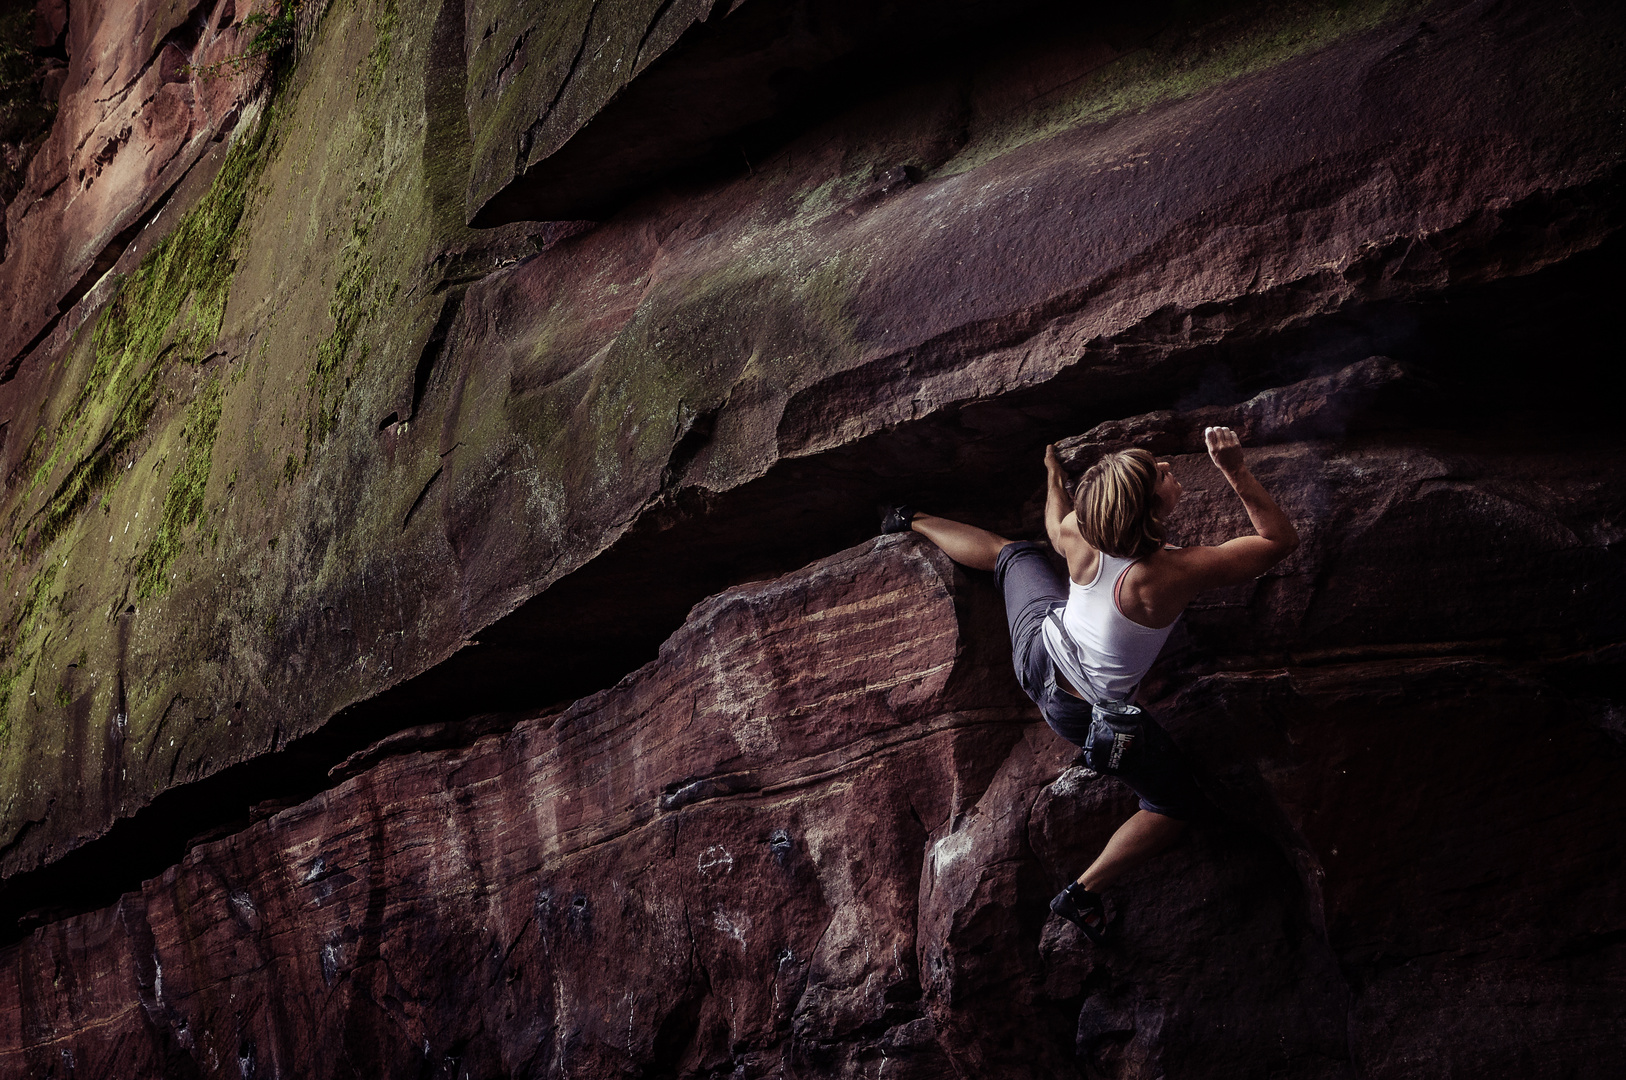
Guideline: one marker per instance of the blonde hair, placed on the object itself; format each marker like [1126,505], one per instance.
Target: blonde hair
[1116,503]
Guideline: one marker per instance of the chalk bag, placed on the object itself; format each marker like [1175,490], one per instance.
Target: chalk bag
[1116,733]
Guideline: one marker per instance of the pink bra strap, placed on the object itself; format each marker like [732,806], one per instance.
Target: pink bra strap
[1117,588]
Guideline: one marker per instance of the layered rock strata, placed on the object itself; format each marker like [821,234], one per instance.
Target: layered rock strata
[817,835]
[391,496]
[679,872]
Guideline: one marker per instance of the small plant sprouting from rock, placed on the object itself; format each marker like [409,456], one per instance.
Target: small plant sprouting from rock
[275,33]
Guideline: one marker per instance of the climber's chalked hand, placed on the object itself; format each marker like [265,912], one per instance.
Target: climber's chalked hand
[1224,447]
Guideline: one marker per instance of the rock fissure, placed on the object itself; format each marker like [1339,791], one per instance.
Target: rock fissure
[525,145]
[653,22]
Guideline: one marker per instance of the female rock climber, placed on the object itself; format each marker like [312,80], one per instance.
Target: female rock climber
[1088,641]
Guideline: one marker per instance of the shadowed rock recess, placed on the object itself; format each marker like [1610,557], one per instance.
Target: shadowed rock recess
[443,633]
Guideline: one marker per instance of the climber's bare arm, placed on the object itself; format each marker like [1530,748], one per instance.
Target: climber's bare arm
[1246,557]
[1061,523]
[1058,508]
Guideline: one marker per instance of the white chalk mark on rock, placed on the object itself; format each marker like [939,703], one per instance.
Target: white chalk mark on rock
[736,930]
[948,849]
[715,861]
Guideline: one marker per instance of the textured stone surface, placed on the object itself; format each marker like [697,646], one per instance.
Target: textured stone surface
[378,487]
[818,834]
[131,121]
[714,862]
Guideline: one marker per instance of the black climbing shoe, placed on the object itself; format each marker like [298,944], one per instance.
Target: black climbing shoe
[897,519]
[1083,909]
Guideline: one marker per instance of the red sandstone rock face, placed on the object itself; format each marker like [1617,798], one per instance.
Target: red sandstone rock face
[715,860]
[816,835]
[607,103]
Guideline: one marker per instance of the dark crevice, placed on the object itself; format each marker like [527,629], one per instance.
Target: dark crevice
[682,793]
[1475,345]
[679,1030]
[422,495]
[792,65]
[653,25]
[529,135]
[432,349]
[107,258]
[22,354]
[701,428]
[513,54]
[187,35]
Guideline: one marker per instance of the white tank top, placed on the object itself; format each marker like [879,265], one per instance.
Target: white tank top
[1100,650]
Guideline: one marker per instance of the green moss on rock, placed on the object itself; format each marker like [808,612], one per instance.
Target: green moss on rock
[357,298]
[170,309]
[36,604]
[378,58]
[183,503]
[9,675]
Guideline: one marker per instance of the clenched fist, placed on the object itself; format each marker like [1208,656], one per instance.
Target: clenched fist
[1225,448]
